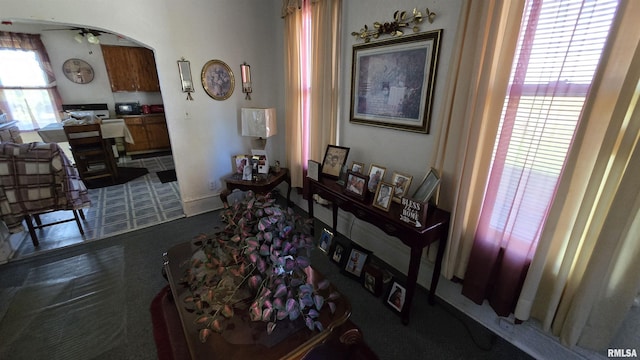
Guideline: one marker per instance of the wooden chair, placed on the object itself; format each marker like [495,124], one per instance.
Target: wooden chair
[93,155]
[37,178]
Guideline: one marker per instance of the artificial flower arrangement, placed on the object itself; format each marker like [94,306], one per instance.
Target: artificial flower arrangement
[259,260]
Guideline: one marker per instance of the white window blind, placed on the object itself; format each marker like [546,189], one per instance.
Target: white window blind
[557,55]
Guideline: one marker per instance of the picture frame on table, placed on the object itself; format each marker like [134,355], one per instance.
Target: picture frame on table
[262,160]
[372,279]
[396,296]
[356,260]
[339,250]
[240,161]
[357,167]
[403,99]
[325,241]
[376,174]
[313,170]
[401,183]
[356,185]
[427,187]
[384,194]
[217,79]
[334,159]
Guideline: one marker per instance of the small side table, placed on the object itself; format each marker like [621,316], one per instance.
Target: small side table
[264,184]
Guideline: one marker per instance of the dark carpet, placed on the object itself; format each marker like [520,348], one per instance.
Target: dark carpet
[166,176]
[124,272]
[125,174]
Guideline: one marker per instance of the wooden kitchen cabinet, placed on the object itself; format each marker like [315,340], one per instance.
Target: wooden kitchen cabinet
[131,68]
[149,133]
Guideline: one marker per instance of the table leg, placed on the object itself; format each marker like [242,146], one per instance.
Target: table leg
[223,196]
[288,180]
[335,218]
[444,231]
[412,279]
[310,211]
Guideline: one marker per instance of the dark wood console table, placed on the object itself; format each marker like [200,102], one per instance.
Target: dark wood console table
[264,184]
[435,228]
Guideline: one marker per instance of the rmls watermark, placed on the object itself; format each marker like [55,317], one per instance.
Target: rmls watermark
[622,353]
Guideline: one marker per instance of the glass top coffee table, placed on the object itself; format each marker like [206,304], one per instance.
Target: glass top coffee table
[249,340]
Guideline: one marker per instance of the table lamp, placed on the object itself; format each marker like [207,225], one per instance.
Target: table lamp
[260,123]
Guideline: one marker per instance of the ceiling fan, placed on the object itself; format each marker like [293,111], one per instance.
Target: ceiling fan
[83,33]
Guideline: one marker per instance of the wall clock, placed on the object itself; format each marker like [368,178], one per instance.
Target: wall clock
[78,71]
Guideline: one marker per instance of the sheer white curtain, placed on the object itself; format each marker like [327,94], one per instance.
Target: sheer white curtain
[585,274]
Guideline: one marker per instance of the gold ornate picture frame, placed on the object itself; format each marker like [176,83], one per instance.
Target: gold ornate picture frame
[217,79]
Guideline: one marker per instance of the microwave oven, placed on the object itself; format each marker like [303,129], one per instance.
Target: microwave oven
[128,108]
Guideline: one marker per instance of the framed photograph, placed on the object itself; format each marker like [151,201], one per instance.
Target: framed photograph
[240,161]
[356,185]
[376,174]
[326,238]
[334,159]
[217,80]
[372,279]
[396,296]
[357,167]
[356,260]
[401,183]
[392,81]
[313,169]
[262,160]
[384,194]
[427,187]
[338,251]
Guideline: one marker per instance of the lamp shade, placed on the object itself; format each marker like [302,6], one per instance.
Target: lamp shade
[258,122]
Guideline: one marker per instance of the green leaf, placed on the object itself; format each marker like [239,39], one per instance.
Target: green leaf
[204,335]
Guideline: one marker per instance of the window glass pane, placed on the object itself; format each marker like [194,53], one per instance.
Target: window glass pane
[20,68]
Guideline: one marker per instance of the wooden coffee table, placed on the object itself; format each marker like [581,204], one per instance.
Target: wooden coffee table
[218,346]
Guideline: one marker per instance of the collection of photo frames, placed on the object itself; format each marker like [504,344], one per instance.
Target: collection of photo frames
[356,263]
[358,183]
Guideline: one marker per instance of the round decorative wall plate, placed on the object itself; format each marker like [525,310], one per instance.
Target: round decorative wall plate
[217,79]
[78,71]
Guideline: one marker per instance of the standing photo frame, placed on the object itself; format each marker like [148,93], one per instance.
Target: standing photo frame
[217,79]
[338,251]
[401,184]
[372,279]
[376,174]
[326,239]
[396,296]
[384,194]
[392,81]
[357,167]
[334,159]
[427,187]
[313,170]
[355,261]
[356,185]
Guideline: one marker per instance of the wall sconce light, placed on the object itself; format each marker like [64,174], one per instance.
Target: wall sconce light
[245,71]
[260,123]
[184,67]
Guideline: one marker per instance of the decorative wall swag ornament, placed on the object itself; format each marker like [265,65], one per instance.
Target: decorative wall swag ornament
[395,27]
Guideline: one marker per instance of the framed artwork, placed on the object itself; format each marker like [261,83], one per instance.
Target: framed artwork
[313,169]
[334,159]
[392,81]
[372,279]
[376,174]
[427,187]
[338,251]
[356,185]
[325,241]
[384,194]
[217,80]
[401,183]
[357,167]
[396,296]
[262,160]
[356,260]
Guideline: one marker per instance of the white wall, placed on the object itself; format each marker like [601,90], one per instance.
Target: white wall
[204,132]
